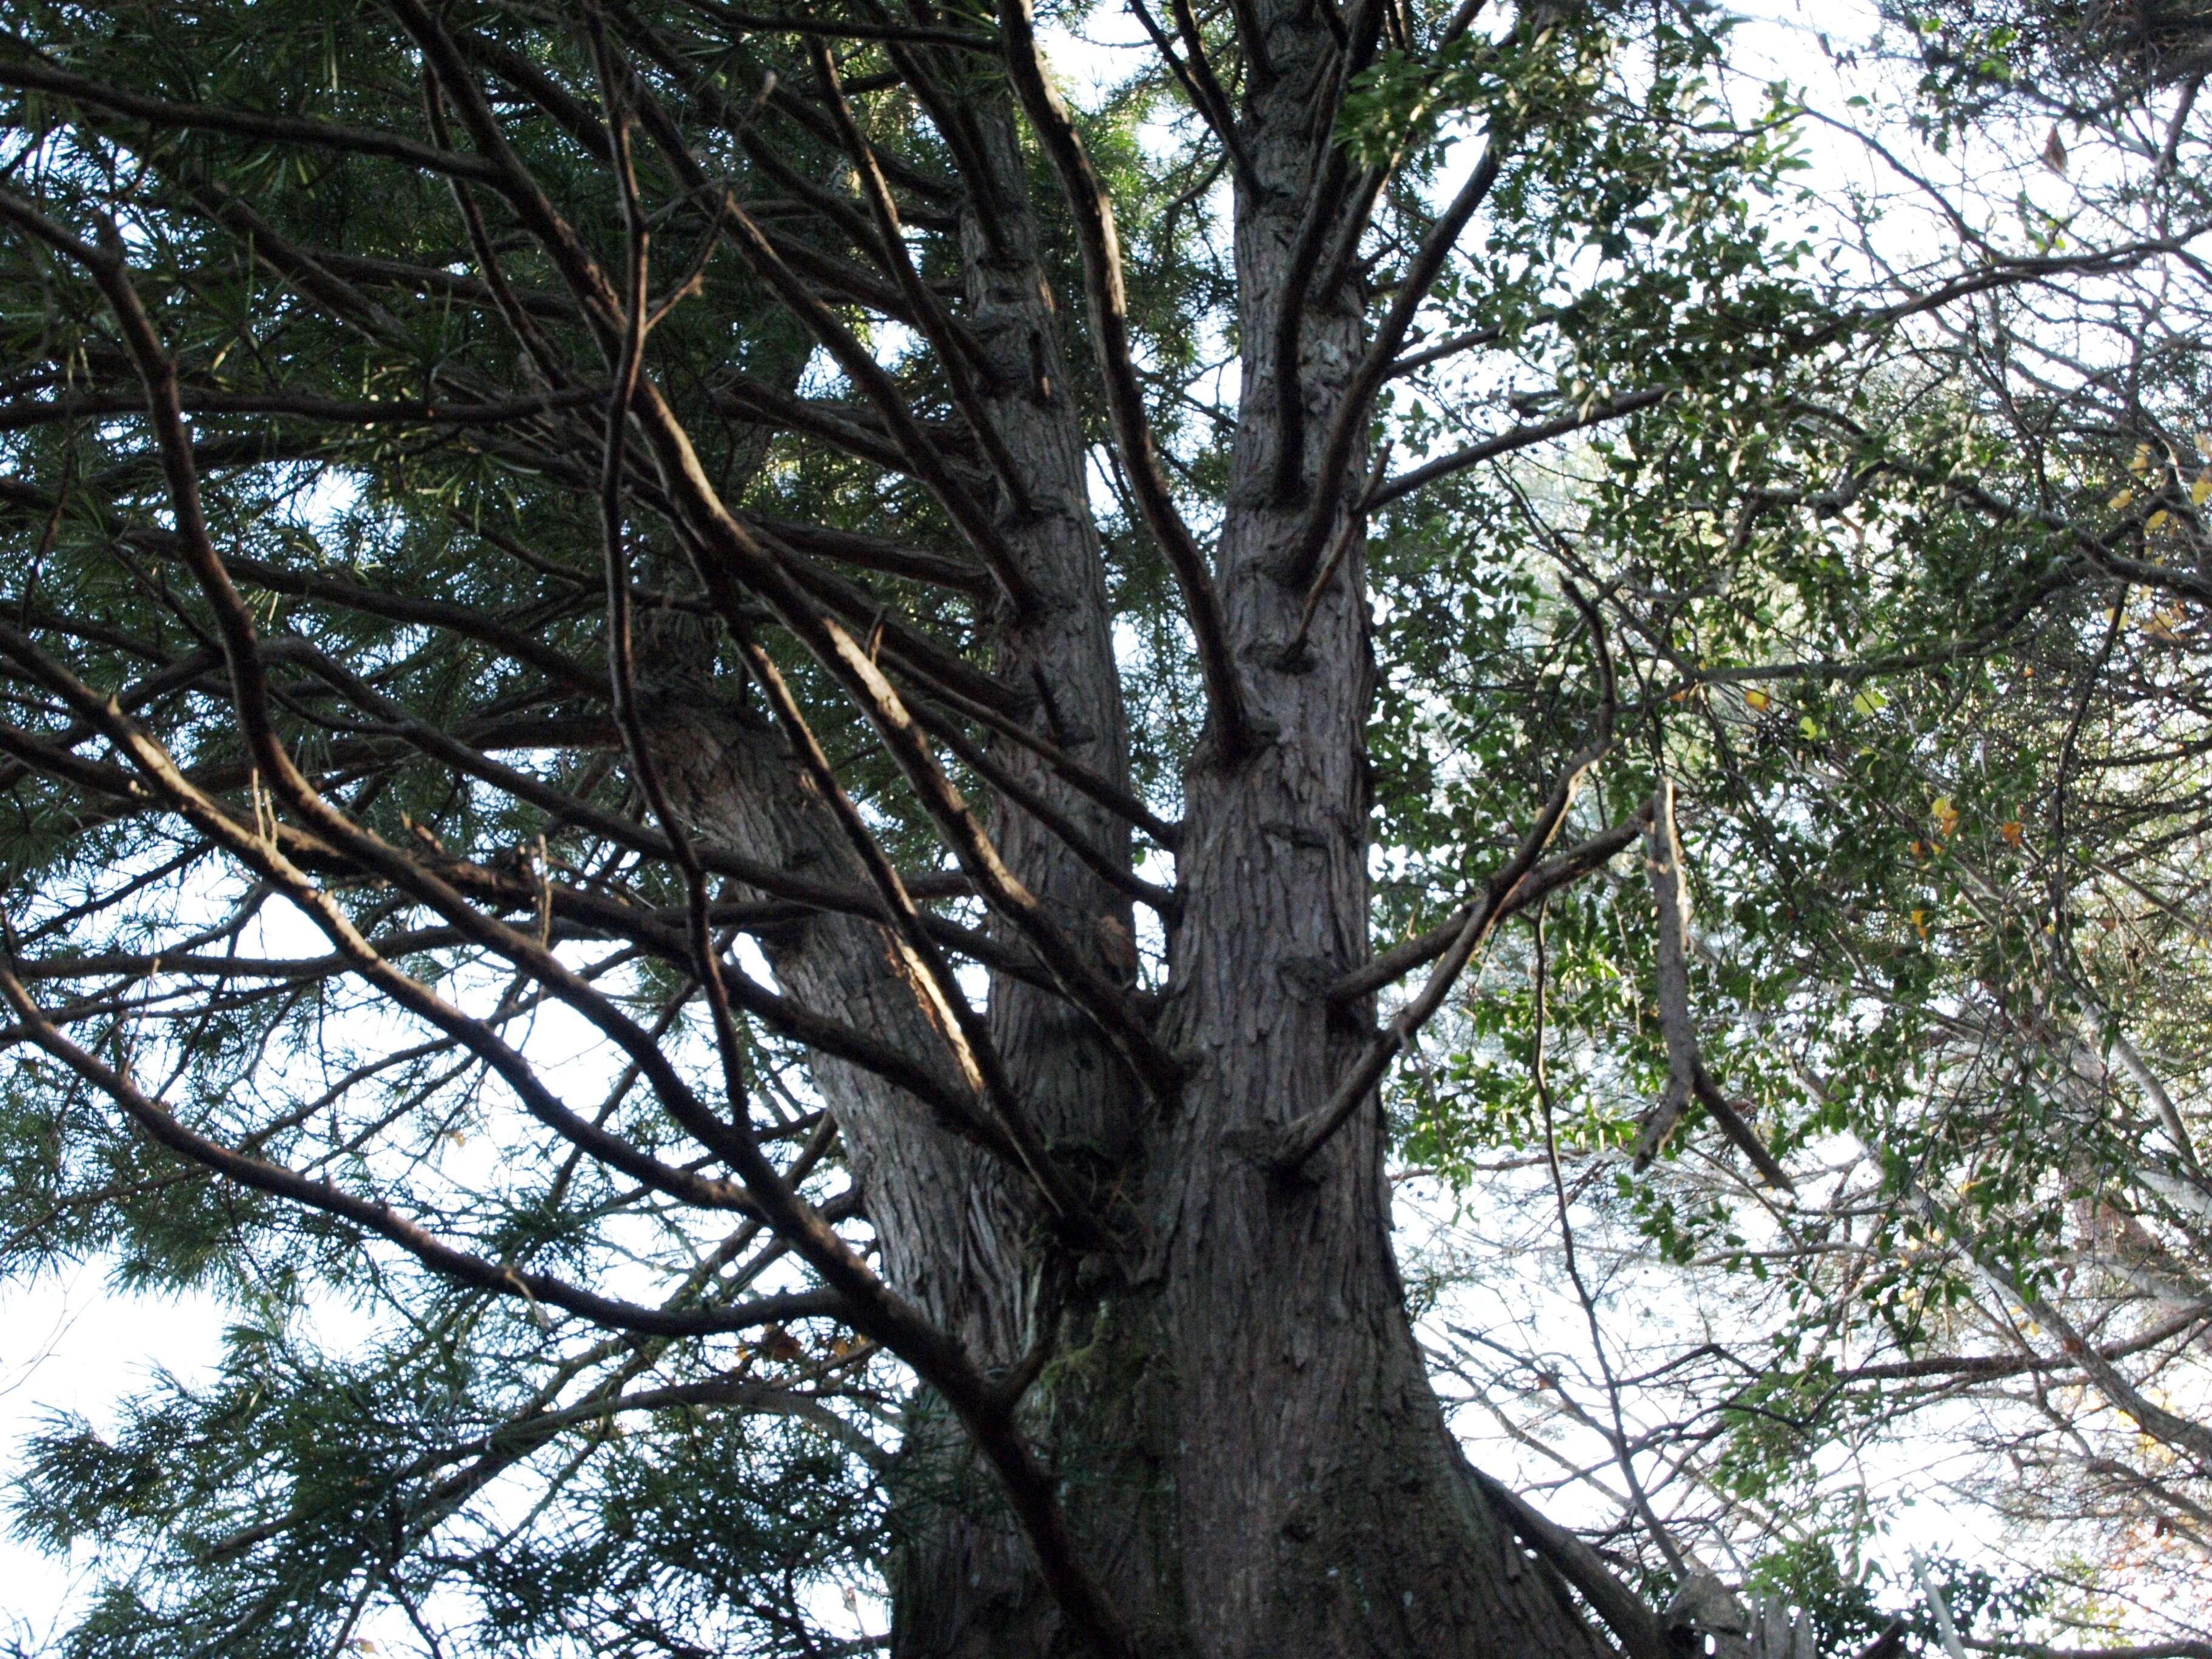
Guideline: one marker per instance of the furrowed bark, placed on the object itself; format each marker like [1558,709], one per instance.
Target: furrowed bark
[1251,1448]
[1340,1519]
[962,1232]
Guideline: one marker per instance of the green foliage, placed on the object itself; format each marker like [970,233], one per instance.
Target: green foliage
[259,1507]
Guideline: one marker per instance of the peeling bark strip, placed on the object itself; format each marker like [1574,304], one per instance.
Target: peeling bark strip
[1687,1077]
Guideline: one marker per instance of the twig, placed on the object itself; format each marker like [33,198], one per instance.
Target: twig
[1618,1436]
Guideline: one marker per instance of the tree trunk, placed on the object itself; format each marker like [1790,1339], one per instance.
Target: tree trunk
[1249,1449]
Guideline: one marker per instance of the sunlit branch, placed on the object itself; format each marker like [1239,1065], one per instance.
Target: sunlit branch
[277,772]
[729,555]
[1093,212]
[954,1017]
[1687,1077]
[960,374]
[1109,869]
[1084,779]
[859,365]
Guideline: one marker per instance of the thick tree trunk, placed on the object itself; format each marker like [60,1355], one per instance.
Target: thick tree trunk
[1250,1451]
[1325,1508]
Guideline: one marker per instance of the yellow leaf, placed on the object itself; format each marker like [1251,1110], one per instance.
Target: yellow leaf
[1947,816]
[2204,445]
[2140,463]
[2201,490]
[1758,701]
[1867,700]
[2121,499]
[2157,520]
[1920,923]
[2010,830]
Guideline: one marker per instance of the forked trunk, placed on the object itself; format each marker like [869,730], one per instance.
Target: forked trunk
[1248,1448]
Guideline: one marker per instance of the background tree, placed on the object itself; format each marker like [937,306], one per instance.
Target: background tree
[1926,660]
[712,718]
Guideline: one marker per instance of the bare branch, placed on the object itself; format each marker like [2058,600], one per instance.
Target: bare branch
[1625,1614]
[1546,878]
[1521,437]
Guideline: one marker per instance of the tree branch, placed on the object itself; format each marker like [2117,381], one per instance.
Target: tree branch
[1687,1078]
[1349,422]
[1300,1140]
[1093,212]
[441,1258]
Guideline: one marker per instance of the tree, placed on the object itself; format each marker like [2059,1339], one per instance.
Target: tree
[646,759]
[1948,805]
